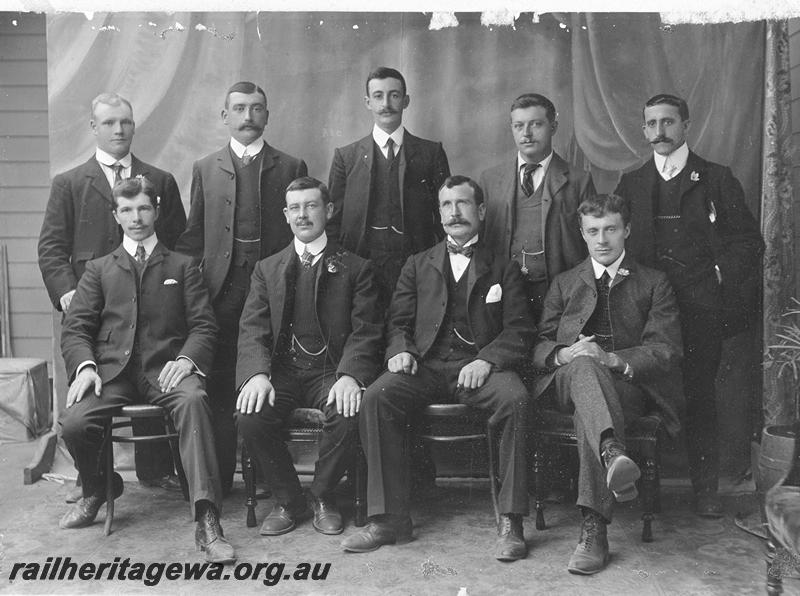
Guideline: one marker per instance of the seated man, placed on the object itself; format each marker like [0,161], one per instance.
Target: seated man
[310,336]
[458,323]
[610,339]
[140,329]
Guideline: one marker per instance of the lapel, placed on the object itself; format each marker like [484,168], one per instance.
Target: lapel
[554,180]
[138,167]
[364,156]
[408,155]
[269,159]
[121,258]
[277,298]
[99,180]
[586,274]
[436,256]
[508,192]
[479,265]
[695,168]
[225,162]
[629,265]
[646,208]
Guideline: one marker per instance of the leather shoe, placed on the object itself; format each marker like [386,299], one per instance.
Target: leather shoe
[327,519]
[208,537]
[82,513]
[621,471]
[511,544]
[591,554]
[168,482]
[284,518]
[378,533]
[708,504]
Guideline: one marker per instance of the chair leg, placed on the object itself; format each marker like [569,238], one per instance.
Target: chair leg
[775,554]
[248,475]
[539,483]
[108,450]
[649,487]
[176,456]
[360,487]
[492,472]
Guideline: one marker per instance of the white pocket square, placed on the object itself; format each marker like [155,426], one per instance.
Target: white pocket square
[494,294]
[170,282]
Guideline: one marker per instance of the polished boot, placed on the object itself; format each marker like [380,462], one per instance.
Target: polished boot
[621,471]
[83,512]
[284,517]
[208,536]
[511,541]
[168,482]
[327,518]
[591,554]
[384,529]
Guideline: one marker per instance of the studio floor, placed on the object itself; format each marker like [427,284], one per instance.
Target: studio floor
[450,556]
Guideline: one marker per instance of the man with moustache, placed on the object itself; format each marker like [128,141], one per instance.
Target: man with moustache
[384,186]
[609,346]
[156,348]
[690,221]
[458,326]
[310,337]
[531,200]
[235,220]
[79,226]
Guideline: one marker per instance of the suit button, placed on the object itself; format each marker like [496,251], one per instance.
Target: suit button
[227,228]
[227,254]
[127,352]
[132,325]
[228,201]
[133,299]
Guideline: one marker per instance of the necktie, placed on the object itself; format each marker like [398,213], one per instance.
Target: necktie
[390,150]
[669,169]
[117,167]
[527,178]
[455,249]
[141,255]
[246,157]
[306,258]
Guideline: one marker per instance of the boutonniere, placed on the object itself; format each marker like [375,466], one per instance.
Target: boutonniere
[334,262]
[694,177]
[623,272]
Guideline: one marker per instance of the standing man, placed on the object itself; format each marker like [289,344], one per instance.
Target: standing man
[458,325]
[79,225]
[235,220]
[155,347]
[532,200]
[610,342]
[384,186]
[310,337]
[690,221]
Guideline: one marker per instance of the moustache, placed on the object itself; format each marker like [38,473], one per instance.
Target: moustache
[452,222]
[387,112]
[248,126]
[661,140]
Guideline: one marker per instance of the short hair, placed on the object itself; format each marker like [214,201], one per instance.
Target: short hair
[306,183]
[671,100]
[530,100]
[110,99]
[458,180]
[384,72]
[129,188]
[600,205]
[244,87]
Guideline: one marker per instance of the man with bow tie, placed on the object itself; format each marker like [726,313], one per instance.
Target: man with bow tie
[458,326]
[690,220]
[140,329]
[310,336]
[609,345]
[236,219]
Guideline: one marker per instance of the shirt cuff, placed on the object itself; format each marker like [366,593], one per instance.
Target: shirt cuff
[83,365]
[195,368]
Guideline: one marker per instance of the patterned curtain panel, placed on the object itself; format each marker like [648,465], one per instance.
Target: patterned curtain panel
[777,221]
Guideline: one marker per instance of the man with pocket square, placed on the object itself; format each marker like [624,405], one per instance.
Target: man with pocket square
[458,326]
[140,329]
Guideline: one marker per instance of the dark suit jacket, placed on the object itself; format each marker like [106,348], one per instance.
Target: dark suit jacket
[644,319]
[503,330]
[345,299]
[565,188]
[733,240]
[79,226]
[423,168]
[209,232]
[175,318]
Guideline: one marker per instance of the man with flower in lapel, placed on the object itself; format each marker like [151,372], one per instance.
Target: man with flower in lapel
[140,329]
[609,347]
[310,336]
[690,220]
[236,219]
[458,326]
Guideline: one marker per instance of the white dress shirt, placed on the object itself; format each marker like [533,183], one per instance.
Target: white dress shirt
[458,262]
[252,149]
[538,173]
[671,165]
[612,269]
[381,138]
[315,247]
[106,160]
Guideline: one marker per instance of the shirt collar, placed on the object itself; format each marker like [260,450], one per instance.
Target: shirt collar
[469,242]
[253,148]
[149,243]
[380,136]
[315,247]
[543,164]
[612,268]
[109,160]
[676,158]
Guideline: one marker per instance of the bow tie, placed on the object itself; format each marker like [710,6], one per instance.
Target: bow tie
[455,249]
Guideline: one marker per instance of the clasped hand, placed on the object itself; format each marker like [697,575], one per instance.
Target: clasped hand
[586,346]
